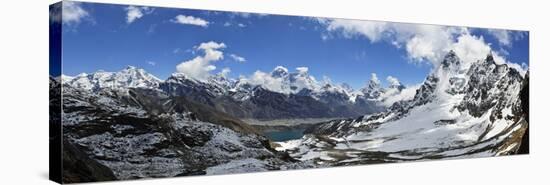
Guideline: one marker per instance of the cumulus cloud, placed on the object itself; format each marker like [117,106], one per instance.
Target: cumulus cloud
[225,72]
[237,58]
[190,20]
[424,43]
[280,80]
[504,37]
[266,80]
[302,69]
[471,48]
[374,78]
[350,28]
[392,80]
[73,13]
[133,13]
[393,95]
[200,67]
[152,63]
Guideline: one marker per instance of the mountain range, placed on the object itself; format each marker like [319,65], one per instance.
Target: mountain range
[460,111]
[130,124]
[298,95]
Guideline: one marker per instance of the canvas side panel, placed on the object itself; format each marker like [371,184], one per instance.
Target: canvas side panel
[55,136]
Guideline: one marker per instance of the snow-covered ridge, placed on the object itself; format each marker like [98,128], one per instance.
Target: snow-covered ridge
[279,80]
[130,77]
[462,109]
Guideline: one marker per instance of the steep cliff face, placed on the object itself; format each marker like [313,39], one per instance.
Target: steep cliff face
[524,96]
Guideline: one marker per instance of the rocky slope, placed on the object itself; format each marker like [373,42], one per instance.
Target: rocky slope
[460,111]
[129,124]
[128,131]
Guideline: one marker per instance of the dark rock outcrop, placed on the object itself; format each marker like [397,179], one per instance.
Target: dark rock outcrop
[524,96]
[78,167]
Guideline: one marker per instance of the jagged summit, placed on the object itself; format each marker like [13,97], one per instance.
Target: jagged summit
[279,72]
[450,59]
[126,78]
[373,90]
[458,111]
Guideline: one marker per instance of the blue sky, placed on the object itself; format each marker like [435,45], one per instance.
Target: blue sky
[111,37]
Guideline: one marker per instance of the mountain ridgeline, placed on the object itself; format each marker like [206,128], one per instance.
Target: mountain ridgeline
[130,124]
[245,100]
[461,110]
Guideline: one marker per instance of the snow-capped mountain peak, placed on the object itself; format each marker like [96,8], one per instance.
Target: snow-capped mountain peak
[394,83]
[459,110]
[130,77]
[373,90]
[450,60]
[279,72]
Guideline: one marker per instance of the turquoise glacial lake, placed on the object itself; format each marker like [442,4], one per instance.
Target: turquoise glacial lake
[285,135]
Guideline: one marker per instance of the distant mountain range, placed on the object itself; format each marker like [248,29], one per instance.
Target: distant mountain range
[298,95]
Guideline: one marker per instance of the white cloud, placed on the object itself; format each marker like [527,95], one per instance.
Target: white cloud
[190,20]
[228,24]
[133,13]
[246,15]
[504,37]
[152,63]
[302,69]
[211,46]
[200,67]
[326,80]
[471,48]
[393,95]
[266,80]
[392,80]
[73,13]
[282,83]
[371,29]
[237,58]
[425,42]
[422,42]
[224,72]
[374,78]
